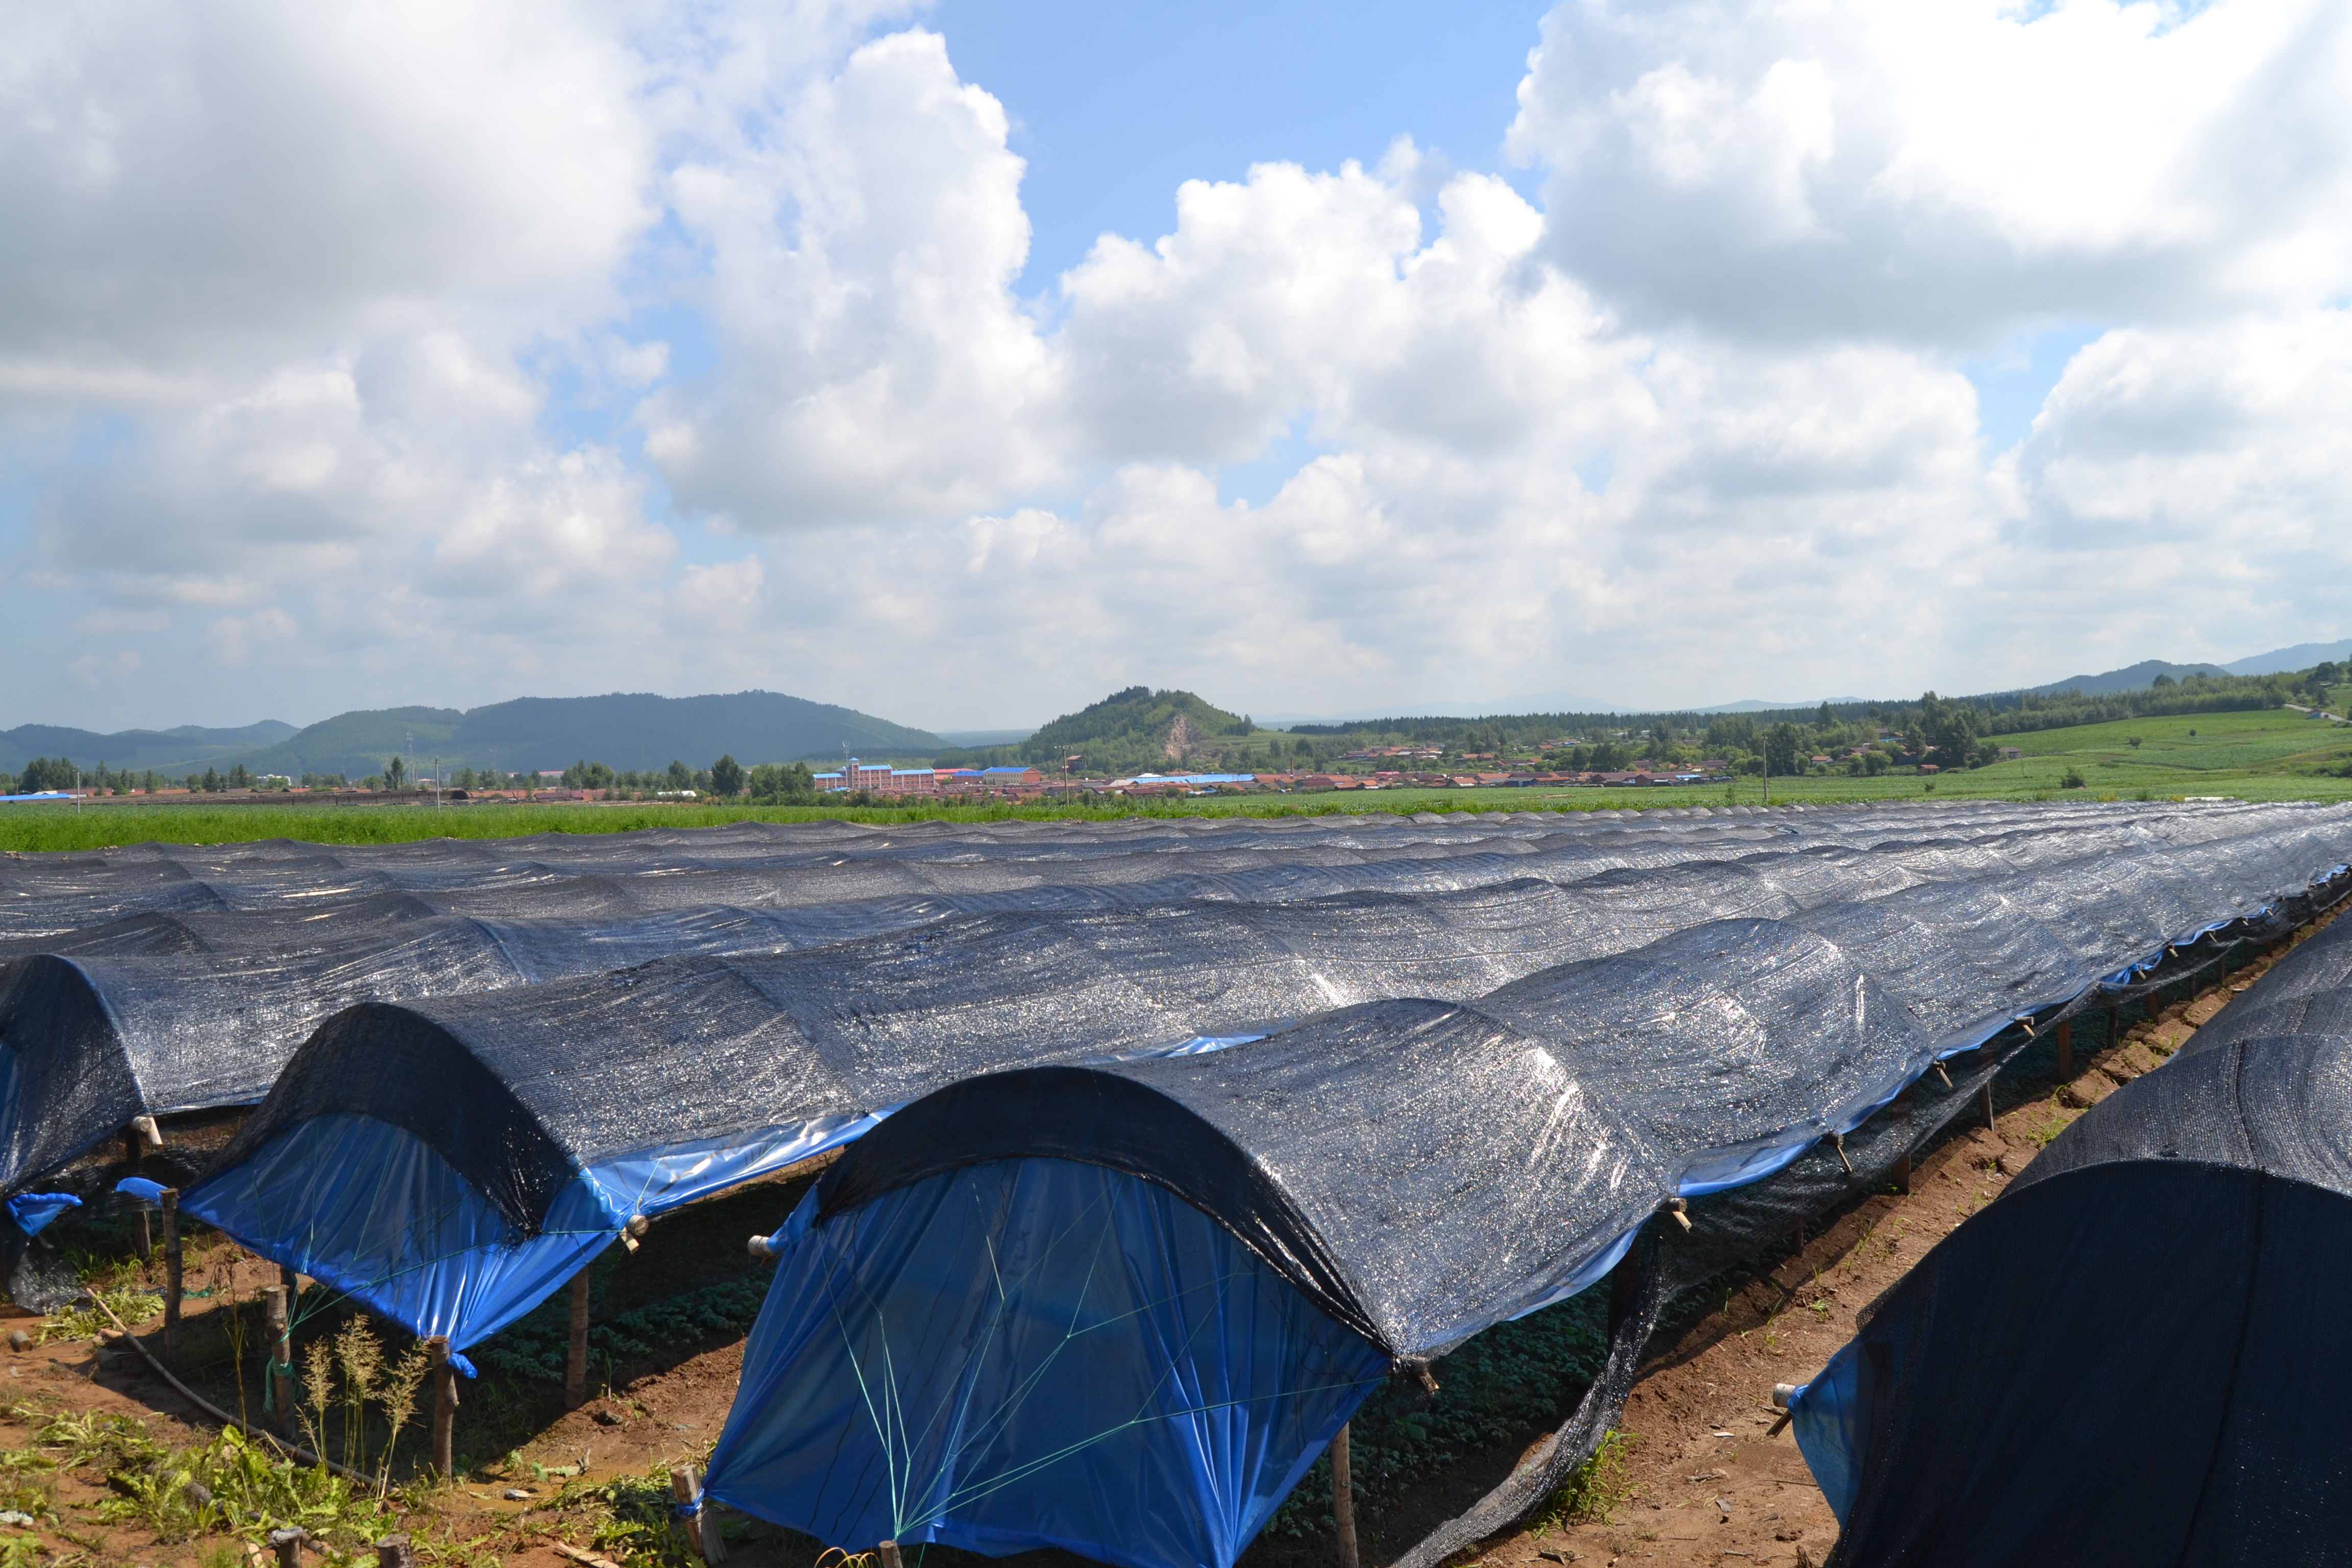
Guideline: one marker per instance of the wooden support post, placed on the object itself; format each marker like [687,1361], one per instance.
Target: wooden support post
[288,1544]
[1343,1499]
[395,1551]
[1984,1098]
[277,1386]
[171,1272]
[703,1536]
[2115,1016]
[1902,1165]
[889,1552]
[142,1236]
[443,1378]
[575,1369]
[2067,1050]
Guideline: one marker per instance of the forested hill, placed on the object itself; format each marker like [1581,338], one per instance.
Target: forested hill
[630,731]
[172,750]
[1135,731]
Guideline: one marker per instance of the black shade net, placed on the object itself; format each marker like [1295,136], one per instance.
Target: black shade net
[49,895]
[1422,1170]
[158,1013]
[2133,1355]
[601,1065]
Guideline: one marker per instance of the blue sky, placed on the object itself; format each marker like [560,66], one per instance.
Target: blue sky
[1115,105]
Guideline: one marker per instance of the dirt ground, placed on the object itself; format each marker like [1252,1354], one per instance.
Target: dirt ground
[1704,1480]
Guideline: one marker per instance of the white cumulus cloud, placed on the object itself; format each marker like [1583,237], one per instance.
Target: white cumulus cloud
[409,354]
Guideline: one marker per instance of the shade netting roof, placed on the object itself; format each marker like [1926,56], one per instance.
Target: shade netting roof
[1414,1170]
[50,894]
[2135,1354]
[596,1099]
[169,1011]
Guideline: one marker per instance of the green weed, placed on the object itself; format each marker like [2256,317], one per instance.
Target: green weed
[233,1487]
[1597,1491]
[638,1531]
[83,1320]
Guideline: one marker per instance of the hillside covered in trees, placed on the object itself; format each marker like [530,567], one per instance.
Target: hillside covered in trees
[1135,731]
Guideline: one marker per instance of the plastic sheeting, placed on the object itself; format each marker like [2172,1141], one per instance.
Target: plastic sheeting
[1419,1171]
[2132,1356]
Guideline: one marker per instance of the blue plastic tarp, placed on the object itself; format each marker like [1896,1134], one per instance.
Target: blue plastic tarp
[957,1361]
[374,1212]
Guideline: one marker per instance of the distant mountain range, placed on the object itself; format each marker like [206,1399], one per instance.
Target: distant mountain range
[631,731]
[2139,677]
[636,732]
[165,751]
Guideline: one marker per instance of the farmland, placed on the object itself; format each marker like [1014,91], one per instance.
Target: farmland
[2278,754]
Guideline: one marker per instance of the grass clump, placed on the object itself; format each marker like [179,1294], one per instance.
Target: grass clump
[230,1486]
[1597,1491]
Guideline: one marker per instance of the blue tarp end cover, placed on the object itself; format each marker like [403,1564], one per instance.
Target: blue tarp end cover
[1010,1346]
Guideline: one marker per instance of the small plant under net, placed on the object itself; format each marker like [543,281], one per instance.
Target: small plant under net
[1510,1383]
[1596,1491]
[84,1320]
[537,1347]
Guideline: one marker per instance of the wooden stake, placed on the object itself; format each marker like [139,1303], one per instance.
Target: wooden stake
[2113,1015]
[142,1236]
[1343,1499]
[889,1552]
[288,1543]
[393,1551]
[1984,1098]
[2067,1050]
[575,1371]
[445,1404]
[279,1338]
[707,1544]
[171,1271]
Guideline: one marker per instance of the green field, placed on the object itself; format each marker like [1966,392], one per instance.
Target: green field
[2272,755]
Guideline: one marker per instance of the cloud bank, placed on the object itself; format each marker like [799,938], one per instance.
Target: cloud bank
[371,355]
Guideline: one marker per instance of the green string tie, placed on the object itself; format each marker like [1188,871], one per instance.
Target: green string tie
[271,1371]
